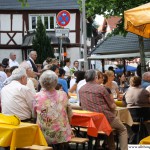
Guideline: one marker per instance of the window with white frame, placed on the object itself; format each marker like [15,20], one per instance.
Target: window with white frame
[49,21]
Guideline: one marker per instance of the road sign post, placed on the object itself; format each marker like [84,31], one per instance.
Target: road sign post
[63,19]
[59,32]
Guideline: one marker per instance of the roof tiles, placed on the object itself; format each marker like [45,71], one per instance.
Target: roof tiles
[39,5]
[119,44]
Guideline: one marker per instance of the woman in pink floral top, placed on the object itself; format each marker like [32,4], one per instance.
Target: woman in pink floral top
[50,109]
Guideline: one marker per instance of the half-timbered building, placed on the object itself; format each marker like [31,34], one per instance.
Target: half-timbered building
[17,24]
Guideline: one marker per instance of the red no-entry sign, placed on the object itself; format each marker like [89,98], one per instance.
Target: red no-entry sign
[63,18]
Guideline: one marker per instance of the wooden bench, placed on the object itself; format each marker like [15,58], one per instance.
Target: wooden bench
[78,140]
[79,130]
[101,135]
[35,147]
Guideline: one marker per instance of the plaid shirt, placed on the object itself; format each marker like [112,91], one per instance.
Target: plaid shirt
[94,97]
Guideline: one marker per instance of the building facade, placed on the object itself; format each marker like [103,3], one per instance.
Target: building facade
[17,23]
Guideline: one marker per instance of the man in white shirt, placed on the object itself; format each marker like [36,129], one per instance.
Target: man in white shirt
[67,67]
[12,60]
[67,71]
[16,98]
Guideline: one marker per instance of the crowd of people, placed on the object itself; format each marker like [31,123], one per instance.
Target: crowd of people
[44,96]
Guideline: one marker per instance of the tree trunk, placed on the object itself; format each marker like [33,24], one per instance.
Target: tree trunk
[142,54]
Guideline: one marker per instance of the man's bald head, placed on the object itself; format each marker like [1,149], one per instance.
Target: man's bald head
[12,56]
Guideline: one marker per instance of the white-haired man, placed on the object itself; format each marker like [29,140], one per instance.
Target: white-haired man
[16,97]
[31,60]
[30,75]
[12,60]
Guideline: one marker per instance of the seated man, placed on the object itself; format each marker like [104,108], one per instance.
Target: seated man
[16,98]
[30,75]
[94,97]
[145,79]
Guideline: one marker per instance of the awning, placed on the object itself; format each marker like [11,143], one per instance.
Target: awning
[54,40]
[130,55]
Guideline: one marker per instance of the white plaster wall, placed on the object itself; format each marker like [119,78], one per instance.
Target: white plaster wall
[72,37]
[5,54]
[18,38]
[73,54]
[4,38]
[25,28]
[17,22]
[72,23]
[5,22]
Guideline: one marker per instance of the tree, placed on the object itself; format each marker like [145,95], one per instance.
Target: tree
[111,8]
[41,43]
[116,8]
[24,3]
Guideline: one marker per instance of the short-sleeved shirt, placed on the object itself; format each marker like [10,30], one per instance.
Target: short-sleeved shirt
[67,69]
[52,116]
[94,97]
[64,84]
[17,99]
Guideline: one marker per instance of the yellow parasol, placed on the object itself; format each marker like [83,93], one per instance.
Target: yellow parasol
[137,20]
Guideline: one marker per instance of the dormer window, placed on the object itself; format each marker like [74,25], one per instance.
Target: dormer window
[49,21]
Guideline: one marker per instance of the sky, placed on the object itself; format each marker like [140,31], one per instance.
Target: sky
[99,19]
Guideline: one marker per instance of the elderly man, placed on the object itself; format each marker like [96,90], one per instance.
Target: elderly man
[94,97]
[16,98]
[31,60]
[30,75]
[12,60]
[146,79]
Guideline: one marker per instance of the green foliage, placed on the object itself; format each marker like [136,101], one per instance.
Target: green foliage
[111,8]
[24,3]
[41,43]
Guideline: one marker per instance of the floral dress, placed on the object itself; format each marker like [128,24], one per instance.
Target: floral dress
[52,116]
